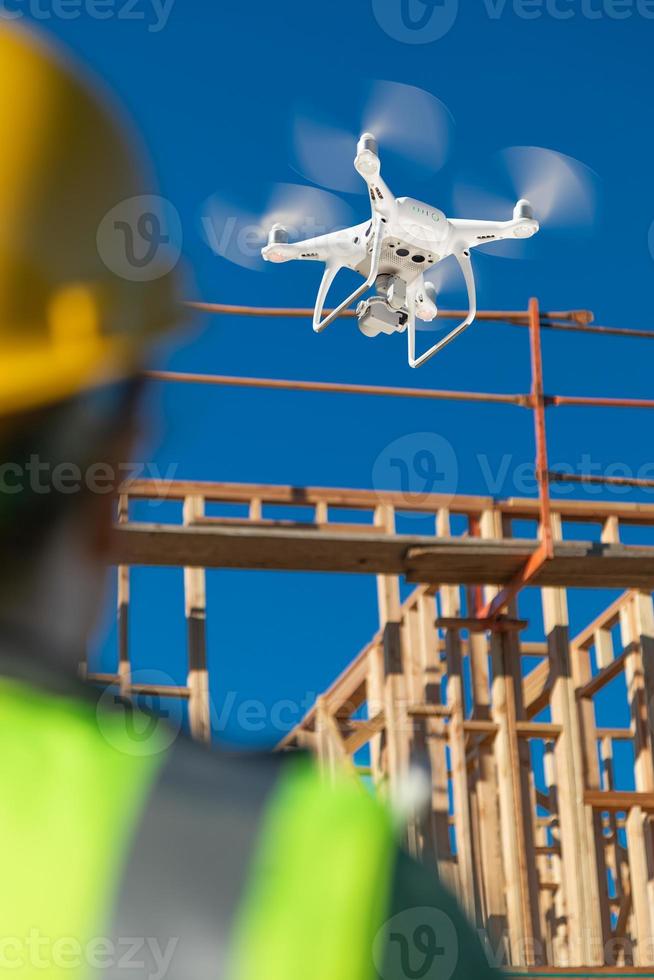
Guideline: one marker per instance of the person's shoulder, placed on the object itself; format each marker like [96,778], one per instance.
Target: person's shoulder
[427,933]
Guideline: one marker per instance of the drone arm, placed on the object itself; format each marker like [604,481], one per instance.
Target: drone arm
[332,267]
[381,198]
[323,248]
[463,259]
[368,166]
[470,233]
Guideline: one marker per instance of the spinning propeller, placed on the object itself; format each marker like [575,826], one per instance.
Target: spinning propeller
[238,235]
[563,191]
[407,122]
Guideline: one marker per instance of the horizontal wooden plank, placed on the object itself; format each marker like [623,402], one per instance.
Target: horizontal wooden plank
[420,558]
[581,511]
[615,734]
[538,729]
[618,800]
[350,498]
[475,624]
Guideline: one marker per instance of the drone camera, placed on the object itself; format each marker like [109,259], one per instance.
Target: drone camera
[385,312]
[375,316]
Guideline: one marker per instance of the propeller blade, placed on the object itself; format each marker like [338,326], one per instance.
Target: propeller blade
[446,277]
[408,122]
[563,191]
[238,234]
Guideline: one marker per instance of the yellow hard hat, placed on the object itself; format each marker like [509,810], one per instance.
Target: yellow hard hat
[80,293]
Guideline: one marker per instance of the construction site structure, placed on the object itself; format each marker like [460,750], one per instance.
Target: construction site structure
[526,823]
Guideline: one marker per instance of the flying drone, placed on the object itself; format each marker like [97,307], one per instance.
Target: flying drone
[406,250]
[403,238]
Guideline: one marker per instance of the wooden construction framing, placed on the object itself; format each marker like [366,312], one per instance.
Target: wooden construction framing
[558,871]
[551,855]
[558,874]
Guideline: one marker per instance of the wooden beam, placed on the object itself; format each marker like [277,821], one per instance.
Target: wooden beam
[601,678]
[536,689]
[580,875]
[538,729]
[619,800]
[475,624]
[420,559]
[358,733]
[515,820]
[579,511]
[450,604]
[637,633]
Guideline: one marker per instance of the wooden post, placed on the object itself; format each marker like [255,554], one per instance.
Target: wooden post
[492,883]
[416,693]
[375,680]
[514,790]
[555,906]
[637,631]
[579,868]
[591,779]
[123,574]
[195,602]
[450,606]
[616,860]
[436,736]
[394,694]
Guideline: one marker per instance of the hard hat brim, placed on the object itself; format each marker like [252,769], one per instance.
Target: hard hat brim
[39,375]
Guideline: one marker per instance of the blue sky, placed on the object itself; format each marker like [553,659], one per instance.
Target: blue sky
[213,93]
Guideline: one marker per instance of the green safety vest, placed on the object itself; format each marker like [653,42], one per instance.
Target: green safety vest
[74,783]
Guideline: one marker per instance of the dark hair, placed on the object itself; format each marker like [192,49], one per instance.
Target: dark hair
[76,432]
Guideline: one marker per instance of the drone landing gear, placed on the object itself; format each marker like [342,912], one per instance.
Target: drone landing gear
[466,268]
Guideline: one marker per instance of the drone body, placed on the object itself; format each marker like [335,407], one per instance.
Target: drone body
[392,251]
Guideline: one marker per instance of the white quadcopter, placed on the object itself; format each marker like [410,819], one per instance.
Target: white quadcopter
[392,252]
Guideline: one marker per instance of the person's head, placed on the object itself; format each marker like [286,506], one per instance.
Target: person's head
[79,304]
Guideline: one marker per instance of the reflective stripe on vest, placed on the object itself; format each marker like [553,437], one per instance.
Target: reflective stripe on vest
[319,891]
[73,785]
